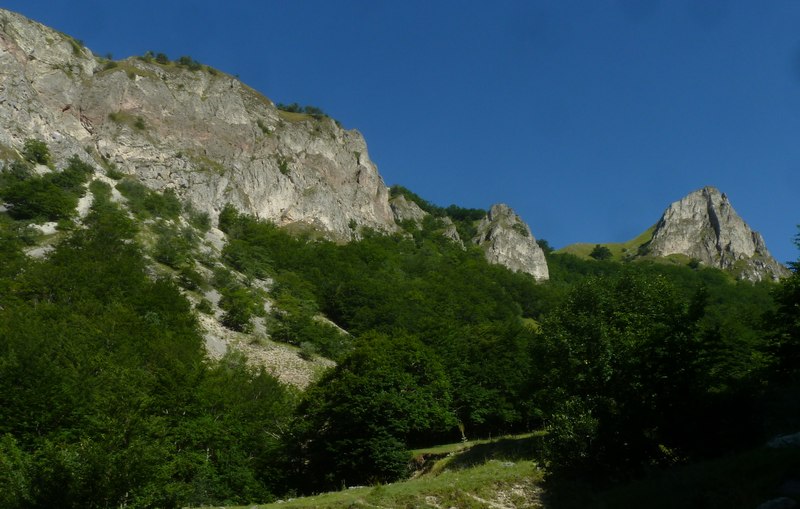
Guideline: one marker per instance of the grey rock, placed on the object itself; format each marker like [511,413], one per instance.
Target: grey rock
[405,210]
[508,241]
[204,134]
[450,231]
[705,227]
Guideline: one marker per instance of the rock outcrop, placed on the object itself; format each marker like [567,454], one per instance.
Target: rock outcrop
[508,241]
[406,210]
[705,227]
[200,132]
[212,140]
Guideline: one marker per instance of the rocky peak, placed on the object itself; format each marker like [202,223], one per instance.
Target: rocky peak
[200,132]
[705,227]
[508,241]
[406,210]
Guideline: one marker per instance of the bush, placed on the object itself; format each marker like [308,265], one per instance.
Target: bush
[174,246]
[36,152]
[113,173]
[196,218]
[308,351]
[204,306]
[73,177]
[190,279]
[15,172]
[312,111]
[601,253]
[190,63]
[144,202]
[51,197]
[240,305]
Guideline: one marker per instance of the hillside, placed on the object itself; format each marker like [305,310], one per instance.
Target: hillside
[620,251]
[190,129]
[206,300]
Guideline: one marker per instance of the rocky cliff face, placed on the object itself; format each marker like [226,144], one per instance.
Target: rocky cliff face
[505,238]
[202,133]
[405,210]
[704,226]
[508,241]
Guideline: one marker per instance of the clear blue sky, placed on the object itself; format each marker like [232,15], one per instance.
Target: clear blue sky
[587,117]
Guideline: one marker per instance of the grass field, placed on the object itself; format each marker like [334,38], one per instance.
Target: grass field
[495,474]
[619,250]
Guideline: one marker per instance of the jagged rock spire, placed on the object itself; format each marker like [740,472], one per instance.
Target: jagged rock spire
[705,227]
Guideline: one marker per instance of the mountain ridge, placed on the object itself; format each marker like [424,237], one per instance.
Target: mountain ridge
[213,140]
[201,133]
[702,228]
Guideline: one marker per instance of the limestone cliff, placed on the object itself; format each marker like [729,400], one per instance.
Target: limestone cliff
[201,132]
[406,210]
[705,227]
[508,241]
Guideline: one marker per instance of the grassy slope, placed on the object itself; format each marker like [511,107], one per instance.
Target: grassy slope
[501,474]
[479,474]
[619,249]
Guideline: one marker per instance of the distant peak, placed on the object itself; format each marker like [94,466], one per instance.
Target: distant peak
[704,226]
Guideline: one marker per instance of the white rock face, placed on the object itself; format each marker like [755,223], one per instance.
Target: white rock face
[203,133]
[704,226]
[405,210]
[451,232]
[508,241]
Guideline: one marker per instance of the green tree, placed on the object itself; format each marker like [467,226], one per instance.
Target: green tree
[355,423]
[785,322]
[619,362]
[601,252]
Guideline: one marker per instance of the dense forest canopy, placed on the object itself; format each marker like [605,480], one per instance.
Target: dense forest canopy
[107,397]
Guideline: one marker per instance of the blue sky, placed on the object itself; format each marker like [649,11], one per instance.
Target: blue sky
[587,117]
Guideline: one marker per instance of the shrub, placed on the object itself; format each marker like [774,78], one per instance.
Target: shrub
[196,218]
[51,197]
[307,351]
[191,279]
[520,228]
[144,202]
[240,305]
[36,151]
[283,165]
[313,111]
[173,246]
[15,172]
[112,172]
[190,63]
[73,177]
[204,306]
[38,198]
[601,252]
